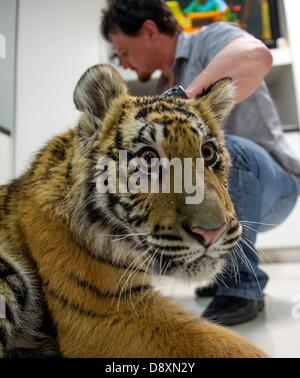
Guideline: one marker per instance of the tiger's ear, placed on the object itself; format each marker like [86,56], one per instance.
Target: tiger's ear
[96,89]
[220,97]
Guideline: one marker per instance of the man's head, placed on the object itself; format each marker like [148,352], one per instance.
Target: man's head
[136,29]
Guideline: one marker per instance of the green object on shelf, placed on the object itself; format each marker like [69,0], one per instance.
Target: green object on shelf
[207,6]
[192,7]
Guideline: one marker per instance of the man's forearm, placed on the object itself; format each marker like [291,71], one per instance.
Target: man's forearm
[246,60]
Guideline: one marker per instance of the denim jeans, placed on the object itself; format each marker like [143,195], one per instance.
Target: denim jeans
[262,193]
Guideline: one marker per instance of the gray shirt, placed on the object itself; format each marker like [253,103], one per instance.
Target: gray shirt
[256,118]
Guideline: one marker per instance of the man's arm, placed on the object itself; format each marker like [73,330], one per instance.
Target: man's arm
[246,60]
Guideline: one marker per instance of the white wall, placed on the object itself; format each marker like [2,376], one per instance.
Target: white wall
[5,159]
[57,41]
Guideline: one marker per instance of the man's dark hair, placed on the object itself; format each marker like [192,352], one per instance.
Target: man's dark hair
[129,16]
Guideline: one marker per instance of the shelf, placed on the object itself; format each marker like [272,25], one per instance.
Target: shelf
[281,56]
[291,129]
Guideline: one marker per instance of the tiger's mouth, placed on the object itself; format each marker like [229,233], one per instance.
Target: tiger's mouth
[172,255]
[166,264]
[197,265]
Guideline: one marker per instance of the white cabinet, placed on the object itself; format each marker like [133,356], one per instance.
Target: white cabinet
[5,158]
[8,14]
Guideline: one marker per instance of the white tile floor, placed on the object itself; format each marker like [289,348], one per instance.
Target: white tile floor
[277,329]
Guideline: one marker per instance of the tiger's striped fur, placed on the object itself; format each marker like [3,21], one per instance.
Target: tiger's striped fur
[76,266]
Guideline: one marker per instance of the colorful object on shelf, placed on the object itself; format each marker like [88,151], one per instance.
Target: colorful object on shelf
[259,17]
[184,22]
[266,22]
[206,6]
[237,8]
[210,10]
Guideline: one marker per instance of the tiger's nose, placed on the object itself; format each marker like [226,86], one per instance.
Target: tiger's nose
[207,237]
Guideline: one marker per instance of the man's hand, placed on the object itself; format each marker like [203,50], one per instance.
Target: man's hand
[246,60]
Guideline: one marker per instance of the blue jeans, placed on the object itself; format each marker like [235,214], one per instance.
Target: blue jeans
[262,192]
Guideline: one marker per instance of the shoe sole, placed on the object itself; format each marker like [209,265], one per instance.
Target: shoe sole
[205,294]
[239,320]
[243,319]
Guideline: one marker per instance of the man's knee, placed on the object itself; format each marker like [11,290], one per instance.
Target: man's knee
[242,153]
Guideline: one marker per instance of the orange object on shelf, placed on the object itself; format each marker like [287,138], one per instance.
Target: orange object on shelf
[237,8]
[205,15]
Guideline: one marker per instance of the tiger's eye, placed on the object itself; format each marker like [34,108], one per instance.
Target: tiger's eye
[209,153]
[148,155]
[148,160]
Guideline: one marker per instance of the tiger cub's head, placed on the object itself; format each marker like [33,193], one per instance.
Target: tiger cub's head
[125,141]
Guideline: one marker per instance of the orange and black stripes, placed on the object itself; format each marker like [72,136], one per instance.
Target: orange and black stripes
[85,284]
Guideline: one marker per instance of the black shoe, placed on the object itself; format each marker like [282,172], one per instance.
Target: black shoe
[228,311]
[205,292]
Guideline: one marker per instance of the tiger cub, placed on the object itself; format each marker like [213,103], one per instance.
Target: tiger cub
[77,262]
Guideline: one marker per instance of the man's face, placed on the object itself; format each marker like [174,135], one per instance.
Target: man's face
[136,52]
